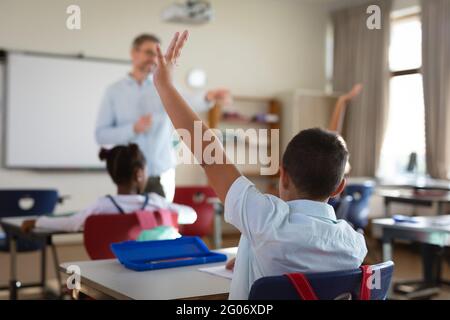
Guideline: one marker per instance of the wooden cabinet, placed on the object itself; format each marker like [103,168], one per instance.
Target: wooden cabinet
[304,109]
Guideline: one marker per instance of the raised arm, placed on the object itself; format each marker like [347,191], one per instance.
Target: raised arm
[337,119]
[221,175]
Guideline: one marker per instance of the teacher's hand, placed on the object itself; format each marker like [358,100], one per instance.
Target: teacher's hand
[143,124]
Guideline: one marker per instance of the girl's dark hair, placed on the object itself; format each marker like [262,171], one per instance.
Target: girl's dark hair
[122,162]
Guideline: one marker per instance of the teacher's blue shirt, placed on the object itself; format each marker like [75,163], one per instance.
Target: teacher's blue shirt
[123,104]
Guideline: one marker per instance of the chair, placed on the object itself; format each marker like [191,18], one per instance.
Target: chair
[101,230]
[358,212]
[342,207]
[23,203]
[202,200]
[336,285]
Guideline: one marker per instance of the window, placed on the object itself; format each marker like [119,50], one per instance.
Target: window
[404,141]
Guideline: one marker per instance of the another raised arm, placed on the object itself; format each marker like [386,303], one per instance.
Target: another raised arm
[337,119]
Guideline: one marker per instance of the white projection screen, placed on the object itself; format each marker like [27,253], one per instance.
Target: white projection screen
[51,108]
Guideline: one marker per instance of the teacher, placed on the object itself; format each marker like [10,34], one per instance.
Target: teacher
[132,111]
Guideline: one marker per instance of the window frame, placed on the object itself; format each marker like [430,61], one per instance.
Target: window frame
[406,72]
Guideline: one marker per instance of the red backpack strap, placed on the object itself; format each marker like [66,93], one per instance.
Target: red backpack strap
[147,219]
[302,286]
[167,218]
[364,293]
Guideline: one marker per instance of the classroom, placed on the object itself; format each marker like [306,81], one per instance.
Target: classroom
[233,150]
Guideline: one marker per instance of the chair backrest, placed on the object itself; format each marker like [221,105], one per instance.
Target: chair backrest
[343,207]
[101,230]
[198,198]
[326,285]
[22,203]
[359,209]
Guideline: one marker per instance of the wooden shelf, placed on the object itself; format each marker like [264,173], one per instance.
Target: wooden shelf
[252,99]
[247,122]
[272,106]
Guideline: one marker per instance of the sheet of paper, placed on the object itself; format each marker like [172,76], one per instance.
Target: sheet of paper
[219,271]
[445,222]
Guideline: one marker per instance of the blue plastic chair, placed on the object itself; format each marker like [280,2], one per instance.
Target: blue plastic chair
[358,212]
[41,202]
[23,203]
[342,206]
[326,285]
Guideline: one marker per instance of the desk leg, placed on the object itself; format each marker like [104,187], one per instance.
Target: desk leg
[387,249]
[56,265]
[387,212]
[387,256]
[44,268]
[431,264]
[13,268]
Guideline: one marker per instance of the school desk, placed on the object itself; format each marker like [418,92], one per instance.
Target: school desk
[108,279]
[416,197]
[433,233]
[13,225]
[417,183]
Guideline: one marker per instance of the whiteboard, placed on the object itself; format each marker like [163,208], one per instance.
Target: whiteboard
[51,108]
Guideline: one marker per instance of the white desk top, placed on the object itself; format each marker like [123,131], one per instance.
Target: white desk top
[16,222]
[415,182]
[113,279]
[441,196]
[427,224]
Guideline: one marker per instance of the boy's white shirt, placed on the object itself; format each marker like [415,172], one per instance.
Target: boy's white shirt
[104,205]
[281,237]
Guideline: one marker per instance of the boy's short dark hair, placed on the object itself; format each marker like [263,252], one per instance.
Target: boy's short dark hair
[315,160]
[140,39]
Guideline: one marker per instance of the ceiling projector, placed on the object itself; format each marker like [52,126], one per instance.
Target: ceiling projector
[190,12]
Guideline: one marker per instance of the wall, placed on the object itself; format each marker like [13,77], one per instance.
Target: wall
[254,47]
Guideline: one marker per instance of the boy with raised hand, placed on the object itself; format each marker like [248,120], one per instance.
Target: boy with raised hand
[297,232]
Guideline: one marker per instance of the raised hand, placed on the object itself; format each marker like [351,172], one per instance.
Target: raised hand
[356,90]
[337,119]
[164,69]
[221,175]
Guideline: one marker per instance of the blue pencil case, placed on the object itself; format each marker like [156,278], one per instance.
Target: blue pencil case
[163,254]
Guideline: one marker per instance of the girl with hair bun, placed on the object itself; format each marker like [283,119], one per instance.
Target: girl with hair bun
[126,166]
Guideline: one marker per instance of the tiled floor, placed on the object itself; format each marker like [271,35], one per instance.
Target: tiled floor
[406,258]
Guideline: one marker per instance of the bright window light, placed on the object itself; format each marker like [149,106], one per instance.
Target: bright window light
[405,132]
[406,45]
